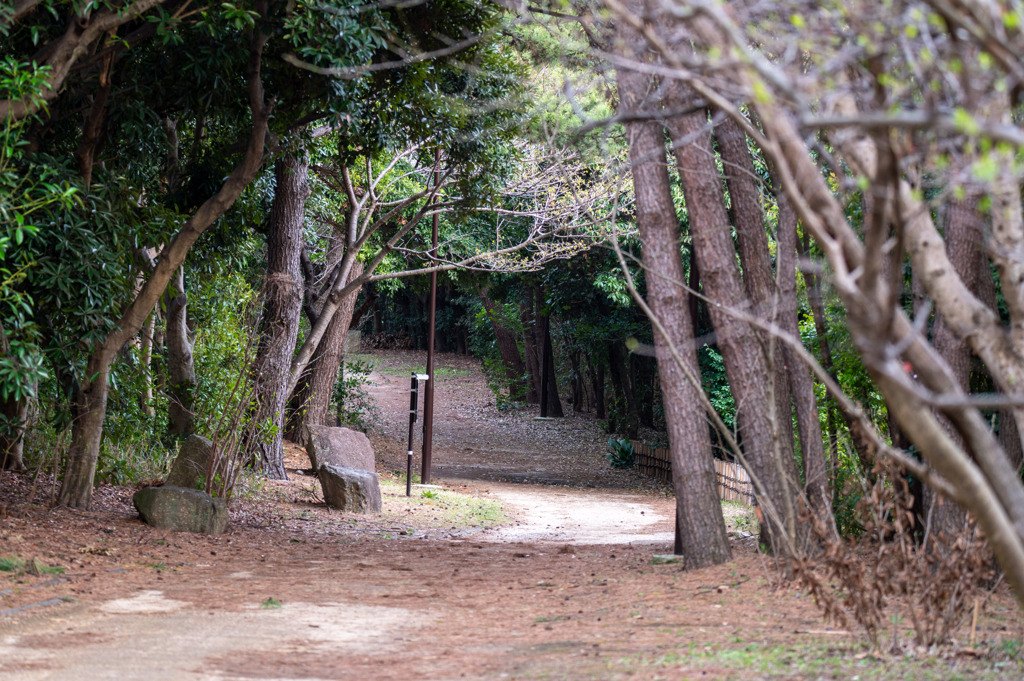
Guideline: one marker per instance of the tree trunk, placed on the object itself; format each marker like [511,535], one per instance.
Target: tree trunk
[530,353]
[861,442]
[746,367]
[508,349]
[12,433]
[964,235]
[181,371]
[92,392]
[542,328]
[89,408]
[315,394]
[577,381]
[817,480]
[597,373]
[702,535]
[618,362]
[282,307]
[148,334]
[752,239]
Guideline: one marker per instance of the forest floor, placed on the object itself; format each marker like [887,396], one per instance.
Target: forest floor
[529,559]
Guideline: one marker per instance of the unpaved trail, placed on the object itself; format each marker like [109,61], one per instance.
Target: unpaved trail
[551,474]
[297,592]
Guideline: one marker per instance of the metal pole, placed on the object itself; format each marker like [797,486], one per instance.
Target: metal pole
[413,392]
[428,393]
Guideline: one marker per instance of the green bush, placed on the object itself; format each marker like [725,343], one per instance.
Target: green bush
[355,406]
[621,454]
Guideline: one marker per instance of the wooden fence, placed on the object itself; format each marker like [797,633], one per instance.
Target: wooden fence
[733,482]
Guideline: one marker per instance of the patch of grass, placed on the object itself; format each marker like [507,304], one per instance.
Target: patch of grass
[404,370]
[270,604]
[447,508]
[739,517]
[31,567]
[818,659]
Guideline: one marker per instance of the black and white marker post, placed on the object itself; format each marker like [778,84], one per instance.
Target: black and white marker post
[414,391]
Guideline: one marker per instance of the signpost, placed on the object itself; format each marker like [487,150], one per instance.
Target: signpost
[414,391]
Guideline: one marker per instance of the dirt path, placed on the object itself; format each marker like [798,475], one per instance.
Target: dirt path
[438,587]
[550,474]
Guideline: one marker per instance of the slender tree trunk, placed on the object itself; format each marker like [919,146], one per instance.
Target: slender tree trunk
[542,329]
[315,394]
[701,528]
[12,433]
[148,334]
[618,363]
[745,364]
[577,381]
[817,480]
[599,399]
[861,442]
[181,371]
[282,307]
[752,239]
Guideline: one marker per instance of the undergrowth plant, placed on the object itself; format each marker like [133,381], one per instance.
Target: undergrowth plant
[621,454]
[898,571]
[353,403]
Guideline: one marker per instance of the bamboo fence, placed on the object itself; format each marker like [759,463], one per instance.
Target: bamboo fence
[733,482]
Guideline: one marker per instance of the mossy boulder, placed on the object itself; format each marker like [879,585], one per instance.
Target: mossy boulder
[181,509]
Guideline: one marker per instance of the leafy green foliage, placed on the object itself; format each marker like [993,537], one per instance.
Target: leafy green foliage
[353,403]
[621,454]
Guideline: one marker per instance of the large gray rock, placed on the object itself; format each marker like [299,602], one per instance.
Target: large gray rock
[339,447]
[190,465]
[181,509]
[350,489]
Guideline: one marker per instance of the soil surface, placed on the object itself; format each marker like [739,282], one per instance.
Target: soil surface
[529,558]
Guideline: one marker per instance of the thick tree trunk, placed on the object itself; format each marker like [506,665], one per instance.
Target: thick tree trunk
[964,236]
[282,307]
[530,353]
[746,367]
[817,479]
[701,528]
[315,394]
[89,409]
[91,395]
[507,347]
[181,371]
